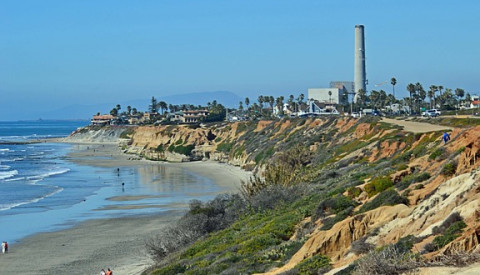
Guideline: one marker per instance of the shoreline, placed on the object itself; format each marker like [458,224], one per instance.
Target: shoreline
[117,243]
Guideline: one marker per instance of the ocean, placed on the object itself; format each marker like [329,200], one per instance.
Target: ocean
[41,190]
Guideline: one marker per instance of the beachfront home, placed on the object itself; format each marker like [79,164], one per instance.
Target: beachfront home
[189,116]
[102,120]
[194,116]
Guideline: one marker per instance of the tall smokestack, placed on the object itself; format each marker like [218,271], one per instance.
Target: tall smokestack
[359,77]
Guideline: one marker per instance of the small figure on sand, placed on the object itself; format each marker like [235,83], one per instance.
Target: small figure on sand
[446,137]
[109,272]
[103,272]
[4,247]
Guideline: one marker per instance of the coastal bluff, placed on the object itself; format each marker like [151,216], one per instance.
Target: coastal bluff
[377,184]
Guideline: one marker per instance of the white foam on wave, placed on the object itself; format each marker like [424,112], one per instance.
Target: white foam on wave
[49,174]
[4,167]
[5,150]
[8,174]
[13,205]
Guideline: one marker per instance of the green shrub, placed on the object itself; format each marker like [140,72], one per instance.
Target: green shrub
[354,192]
[420,186]
[313,264]
[170,270]
[328,223]
[225,147]
[437,153]
[171,148]
[241,128]
[410,179]
[127,133]
[450,234]
[178,142]
[388,197]
[160,148]
[218,139]
[184,150]
[333,205]
[378,185]
[449,169]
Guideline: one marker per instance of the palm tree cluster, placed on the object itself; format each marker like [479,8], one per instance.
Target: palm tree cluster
[269,106]
[444,100]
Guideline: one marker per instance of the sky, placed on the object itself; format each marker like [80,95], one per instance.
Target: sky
[55,53]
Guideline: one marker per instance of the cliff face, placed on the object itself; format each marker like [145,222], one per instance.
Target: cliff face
[348,155]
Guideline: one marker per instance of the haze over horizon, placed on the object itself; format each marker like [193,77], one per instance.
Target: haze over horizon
[54,54]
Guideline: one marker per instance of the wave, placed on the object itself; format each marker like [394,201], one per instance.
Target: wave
[5,150]
[8,174]
[12,160]
[12,205]
[4,167]
[49,174]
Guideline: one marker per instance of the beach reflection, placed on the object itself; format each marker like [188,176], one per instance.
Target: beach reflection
[169,179]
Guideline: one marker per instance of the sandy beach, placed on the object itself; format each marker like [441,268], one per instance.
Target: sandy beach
[117,243]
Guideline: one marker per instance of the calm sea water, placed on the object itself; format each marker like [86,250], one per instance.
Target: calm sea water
[41,190]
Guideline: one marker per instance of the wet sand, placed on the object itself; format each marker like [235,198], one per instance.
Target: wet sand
[117,243]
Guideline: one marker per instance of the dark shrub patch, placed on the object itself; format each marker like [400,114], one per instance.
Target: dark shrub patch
[378,185]
[317,264]
[449,169]
[388,197]
[450,234]
[225,147]
[410,179]
[437,154]
[333,205]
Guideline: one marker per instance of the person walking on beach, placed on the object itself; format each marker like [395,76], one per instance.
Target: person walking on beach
[6,247]
[103,272]
[446,137]
[109,272]
[3,247]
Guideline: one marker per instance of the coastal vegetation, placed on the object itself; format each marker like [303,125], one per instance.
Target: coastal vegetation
[313,177]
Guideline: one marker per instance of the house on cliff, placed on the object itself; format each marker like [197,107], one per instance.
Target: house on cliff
[102,120]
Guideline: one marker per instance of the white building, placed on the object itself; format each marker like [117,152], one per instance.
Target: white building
[326,95]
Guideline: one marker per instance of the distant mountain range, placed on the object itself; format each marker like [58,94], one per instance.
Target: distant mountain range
[79,111]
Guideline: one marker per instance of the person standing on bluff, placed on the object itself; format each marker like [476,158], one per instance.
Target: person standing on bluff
[446,137]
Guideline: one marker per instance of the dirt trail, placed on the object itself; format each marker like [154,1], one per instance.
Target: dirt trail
[416,127]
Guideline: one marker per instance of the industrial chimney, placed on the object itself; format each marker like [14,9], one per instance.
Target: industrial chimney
[359,77]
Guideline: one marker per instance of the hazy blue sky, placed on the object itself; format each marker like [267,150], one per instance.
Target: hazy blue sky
[54,53]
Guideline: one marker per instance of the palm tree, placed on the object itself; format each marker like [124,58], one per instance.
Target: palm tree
[459,93]
[393,81]
[240,106]
[290,102]
[114,112]
[153,105]
[129,110]
[383,98]
[163,106]
[134,111]
[431,94]
[361,97]
[279,105]
[411,90]
[374,98]
[247,102]
[261,100]
[330,96]
[118,107]
[271,101]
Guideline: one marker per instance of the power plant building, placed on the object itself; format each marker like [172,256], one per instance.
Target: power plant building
[326,95]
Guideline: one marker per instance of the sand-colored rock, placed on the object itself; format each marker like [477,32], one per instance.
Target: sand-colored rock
[336,241]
